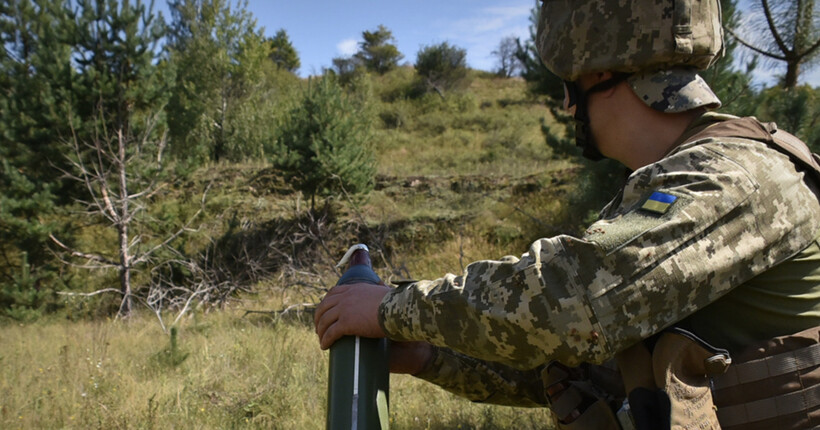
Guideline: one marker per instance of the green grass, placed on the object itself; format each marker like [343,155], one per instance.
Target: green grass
[493,129]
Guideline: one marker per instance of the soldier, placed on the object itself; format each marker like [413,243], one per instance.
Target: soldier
[710,249]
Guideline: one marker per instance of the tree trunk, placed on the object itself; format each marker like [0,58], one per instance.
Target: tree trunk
[792,72]
[122,230]
[126,307]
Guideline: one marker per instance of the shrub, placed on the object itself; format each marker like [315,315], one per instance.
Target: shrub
[442,67]
[25,297]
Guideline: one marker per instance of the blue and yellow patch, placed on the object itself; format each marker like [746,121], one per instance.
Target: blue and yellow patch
[659,202]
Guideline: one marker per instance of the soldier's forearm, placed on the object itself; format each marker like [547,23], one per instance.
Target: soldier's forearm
[484,381]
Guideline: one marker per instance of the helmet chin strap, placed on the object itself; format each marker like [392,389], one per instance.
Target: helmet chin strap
[579,99]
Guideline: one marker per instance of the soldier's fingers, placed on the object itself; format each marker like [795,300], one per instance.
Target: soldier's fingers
[330,335]
[330,300]
[338,289]
[330,317]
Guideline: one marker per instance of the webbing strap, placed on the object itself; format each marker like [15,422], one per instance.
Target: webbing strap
[767,367]
[751,128]
[771,407]
[682,28]
[796,148]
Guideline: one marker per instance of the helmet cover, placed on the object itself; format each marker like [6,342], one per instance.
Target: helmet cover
[576,37]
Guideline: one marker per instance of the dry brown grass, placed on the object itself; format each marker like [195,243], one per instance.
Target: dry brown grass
[232,371]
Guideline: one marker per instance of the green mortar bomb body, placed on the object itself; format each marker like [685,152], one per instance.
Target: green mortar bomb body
[358,377]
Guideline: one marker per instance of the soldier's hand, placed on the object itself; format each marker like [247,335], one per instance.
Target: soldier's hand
[351,309]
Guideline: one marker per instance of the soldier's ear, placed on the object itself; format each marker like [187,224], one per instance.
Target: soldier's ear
[606,90]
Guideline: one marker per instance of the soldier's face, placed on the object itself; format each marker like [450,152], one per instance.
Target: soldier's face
[580,99]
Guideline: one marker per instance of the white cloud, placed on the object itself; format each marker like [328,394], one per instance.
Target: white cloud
[490,20]
[347,47]
[481,32]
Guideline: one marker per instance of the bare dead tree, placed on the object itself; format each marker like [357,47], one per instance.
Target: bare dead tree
[102,167]
[202,287]
[505,54]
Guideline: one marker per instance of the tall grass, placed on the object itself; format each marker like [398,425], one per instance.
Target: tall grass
[230,371]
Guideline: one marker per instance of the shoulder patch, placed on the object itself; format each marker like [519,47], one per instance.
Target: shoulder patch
[613,233]
[659,202]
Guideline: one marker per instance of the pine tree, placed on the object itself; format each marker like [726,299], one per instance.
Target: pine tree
[796,110]
[282,53]
[540,80]
[219,56]
[325,143]
[116,44]
[783,31]
[36,75]
[378,52]
[35,113]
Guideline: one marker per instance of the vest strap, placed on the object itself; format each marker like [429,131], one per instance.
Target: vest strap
[767,367]
[773,384]
[751,128]
[758,410]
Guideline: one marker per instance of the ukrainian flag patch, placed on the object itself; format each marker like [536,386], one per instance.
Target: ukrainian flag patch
[659,202]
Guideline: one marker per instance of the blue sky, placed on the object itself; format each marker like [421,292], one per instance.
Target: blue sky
[321,30]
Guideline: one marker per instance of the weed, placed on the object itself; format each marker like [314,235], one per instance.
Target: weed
[172,356]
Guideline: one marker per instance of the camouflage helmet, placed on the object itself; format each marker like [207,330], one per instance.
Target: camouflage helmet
[576,37]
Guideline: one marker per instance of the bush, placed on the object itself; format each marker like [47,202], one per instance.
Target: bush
[27,295]
[346,70]
[442,67]
[397,85]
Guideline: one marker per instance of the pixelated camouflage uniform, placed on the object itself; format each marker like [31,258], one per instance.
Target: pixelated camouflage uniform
[742,208]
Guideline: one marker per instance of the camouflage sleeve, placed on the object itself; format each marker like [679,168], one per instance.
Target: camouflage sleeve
[485,382]
[682,233]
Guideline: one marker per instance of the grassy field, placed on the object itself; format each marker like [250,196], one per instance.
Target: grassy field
[228,370]
[462,178]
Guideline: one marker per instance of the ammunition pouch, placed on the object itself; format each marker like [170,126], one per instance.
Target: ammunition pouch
[583,397]
[677,393]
